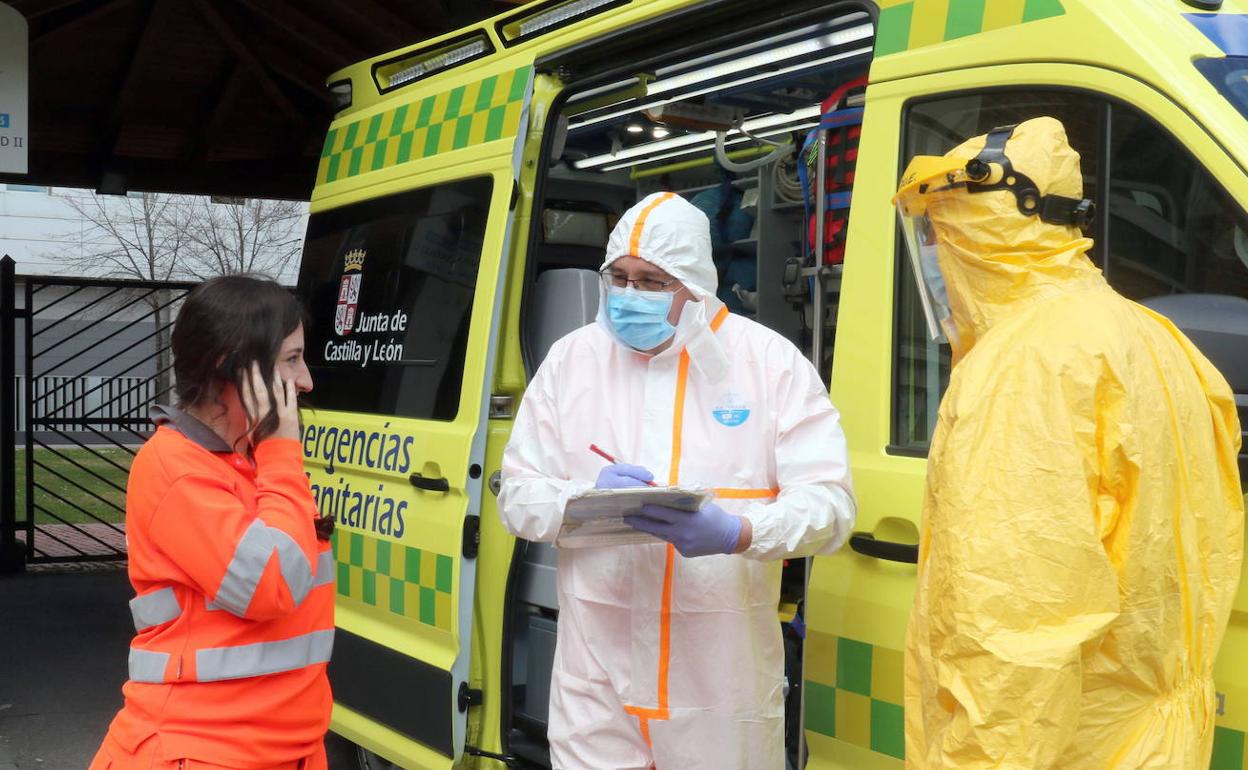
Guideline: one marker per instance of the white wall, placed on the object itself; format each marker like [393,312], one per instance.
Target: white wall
[36,226]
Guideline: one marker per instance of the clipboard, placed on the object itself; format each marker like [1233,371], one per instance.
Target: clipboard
[596,517]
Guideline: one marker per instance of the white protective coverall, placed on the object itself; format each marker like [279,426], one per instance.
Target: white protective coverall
[1083,521]
[664,660]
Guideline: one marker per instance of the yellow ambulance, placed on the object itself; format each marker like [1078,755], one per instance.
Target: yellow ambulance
[462,202]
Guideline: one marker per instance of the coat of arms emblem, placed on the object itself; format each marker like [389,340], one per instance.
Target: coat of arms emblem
[349,292]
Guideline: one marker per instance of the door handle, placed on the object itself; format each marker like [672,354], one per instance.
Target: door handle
[439,484]
[866,544]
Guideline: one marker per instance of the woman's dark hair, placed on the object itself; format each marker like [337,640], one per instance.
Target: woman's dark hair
[225,325]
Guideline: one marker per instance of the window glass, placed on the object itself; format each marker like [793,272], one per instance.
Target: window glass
[1172,229]
[1165,226]
[921,367]
[388,285]
[1228,74]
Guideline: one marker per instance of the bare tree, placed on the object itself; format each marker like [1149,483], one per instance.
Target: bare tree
[243,236]
[161,237]
[142,237]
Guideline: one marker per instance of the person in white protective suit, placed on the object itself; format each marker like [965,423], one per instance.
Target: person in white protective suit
[670,655]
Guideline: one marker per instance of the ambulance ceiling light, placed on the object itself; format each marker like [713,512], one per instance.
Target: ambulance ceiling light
[745,64]
[768,44]
[697,62]
[706,147]
[754,125]
[771,56]
[633,128]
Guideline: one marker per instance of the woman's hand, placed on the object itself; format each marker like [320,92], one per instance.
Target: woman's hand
[281,399]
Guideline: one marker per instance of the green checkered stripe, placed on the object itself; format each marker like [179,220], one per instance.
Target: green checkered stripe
[1228,750]
[908,24]
[460,117]
[406,581]
[854,693]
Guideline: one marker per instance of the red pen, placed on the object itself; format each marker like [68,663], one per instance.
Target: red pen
[596,450]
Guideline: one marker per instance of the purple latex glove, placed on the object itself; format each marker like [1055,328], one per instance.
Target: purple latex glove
[709,530]
[621,476]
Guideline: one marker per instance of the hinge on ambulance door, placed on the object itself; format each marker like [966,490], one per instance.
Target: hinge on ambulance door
[472,536]
[515,195]
[469,697]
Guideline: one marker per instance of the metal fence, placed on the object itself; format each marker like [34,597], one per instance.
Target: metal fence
[86,403]
[94,356]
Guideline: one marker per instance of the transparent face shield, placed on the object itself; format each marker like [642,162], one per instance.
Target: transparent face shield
[920,240]
[991,170]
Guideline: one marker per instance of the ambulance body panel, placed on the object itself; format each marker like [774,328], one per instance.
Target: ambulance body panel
[462,172]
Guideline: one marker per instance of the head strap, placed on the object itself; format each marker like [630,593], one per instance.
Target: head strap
[1054,209]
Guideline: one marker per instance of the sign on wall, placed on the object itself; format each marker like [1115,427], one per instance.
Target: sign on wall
[14,111]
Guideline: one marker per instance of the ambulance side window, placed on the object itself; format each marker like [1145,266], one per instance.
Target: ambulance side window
[388,285]
[933,127]
[1164,227]
[1172,229]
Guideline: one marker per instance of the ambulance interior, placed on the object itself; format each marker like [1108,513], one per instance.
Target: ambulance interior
[725,129]
[760,131]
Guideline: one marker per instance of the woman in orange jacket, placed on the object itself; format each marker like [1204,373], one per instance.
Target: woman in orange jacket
[232,568]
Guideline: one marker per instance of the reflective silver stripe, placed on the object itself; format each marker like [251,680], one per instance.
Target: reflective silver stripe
[155,608]
[217,663]
[246,568]
[325,567]
[148,666]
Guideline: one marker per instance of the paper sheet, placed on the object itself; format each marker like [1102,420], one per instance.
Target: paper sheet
[596,517]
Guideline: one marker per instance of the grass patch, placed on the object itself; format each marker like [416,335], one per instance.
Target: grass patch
[81,484]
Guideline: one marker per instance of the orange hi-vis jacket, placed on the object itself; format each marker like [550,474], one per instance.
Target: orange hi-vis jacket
[235,604]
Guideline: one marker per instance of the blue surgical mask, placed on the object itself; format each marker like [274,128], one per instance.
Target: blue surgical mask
[639,318]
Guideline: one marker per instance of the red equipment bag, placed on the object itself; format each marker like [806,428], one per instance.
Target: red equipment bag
[843,127]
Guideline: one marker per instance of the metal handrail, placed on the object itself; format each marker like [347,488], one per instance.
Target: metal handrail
[45,281]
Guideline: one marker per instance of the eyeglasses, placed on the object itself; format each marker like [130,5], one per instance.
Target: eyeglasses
[620,279]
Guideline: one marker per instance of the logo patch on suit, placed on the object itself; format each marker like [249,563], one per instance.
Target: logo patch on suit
[731,411]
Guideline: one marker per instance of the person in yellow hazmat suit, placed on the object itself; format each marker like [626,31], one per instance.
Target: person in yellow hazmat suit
[1083,519]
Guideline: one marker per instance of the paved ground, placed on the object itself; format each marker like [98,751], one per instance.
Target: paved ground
[76,539]
[63,642]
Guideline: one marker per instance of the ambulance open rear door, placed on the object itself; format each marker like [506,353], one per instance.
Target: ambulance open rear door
[402,275]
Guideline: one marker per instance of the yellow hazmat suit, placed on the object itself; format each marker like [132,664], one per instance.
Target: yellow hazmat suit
[1083,521]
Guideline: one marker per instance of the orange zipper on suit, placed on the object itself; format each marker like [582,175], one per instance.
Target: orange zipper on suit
[662,712]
